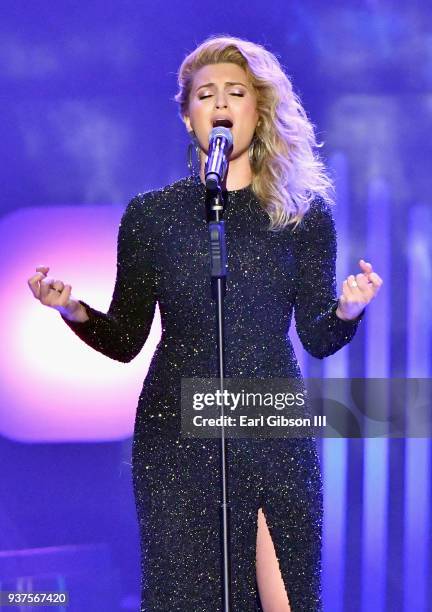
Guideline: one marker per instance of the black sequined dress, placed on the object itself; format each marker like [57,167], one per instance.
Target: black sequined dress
[163,257]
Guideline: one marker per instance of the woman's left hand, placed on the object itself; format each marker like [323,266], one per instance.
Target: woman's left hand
[358,291]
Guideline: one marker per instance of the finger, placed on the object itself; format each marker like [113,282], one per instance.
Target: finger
[347,289]
[376,280]
[65,295]
[358,288]
[43,269]
[33,283]
[358,283]
[46,288]
[352,284]
[367,269]
[365,290]
[58,285]
[362,281]
[366,266]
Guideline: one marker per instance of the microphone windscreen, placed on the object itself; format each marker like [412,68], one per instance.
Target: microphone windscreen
[221,131]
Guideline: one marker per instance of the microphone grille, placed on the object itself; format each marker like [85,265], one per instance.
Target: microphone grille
[222,132]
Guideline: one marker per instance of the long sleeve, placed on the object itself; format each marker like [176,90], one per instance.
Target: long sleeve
[121,332]
[320,330]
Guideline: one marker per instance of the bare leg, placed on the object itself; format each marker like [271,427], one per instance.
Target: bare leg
[271,588]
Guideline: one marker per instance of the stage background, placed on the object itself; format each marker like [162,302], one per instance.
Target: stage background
[86,111]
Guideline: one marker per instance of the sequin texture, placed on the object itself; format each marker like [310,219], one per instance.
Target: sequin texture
[163,257]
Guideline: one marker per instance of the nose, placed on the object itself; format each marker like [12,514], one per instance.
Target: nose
[220,100]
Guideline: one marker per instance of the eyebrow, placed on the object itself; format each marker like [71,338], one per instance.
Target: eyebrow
[226,83]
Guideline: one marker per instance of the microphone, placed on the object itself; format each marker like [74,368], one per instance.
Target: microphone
[220,145]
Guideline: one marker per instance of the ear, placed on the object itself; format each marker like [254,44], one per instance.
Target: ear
[187,123]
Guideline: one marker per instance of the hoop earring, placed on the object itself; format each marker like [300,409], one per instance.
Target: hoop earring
[194,165]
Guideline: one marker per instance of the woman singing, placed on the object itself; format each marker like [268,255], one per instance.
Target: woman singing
[281,245]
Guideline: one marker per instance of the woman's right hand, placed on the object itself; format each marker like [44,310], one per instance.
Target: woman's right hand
[55,294]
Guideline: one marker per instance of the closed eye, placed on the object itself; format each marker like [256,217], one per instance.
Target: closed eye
[240,95]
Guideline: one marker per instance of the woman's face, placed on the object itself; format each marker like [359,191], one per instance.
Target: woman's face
[222,91]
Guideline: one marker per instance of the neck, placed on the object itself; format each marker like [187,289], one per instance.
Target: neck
[239,173]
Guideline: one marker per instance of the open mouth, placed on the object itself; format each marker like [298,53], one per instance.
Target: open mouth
[227,123]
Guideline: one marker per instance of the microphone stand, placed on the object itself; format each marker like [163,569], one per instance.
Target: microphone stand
[218,273]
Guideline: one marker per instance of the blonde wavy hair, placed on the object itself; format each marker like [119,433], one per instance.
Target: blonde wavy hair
[287,172]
